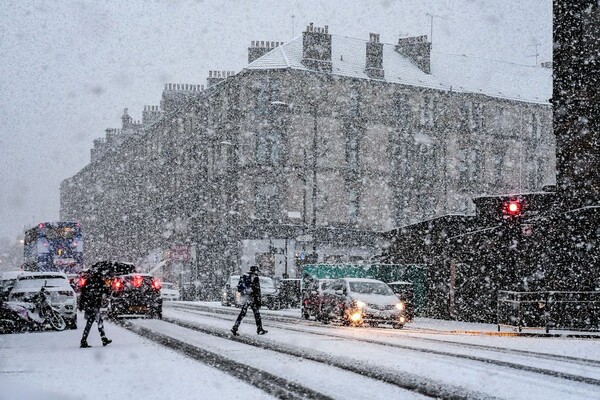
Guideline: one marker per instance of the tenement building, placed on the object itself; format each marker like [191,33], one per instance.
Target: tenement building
[309,153]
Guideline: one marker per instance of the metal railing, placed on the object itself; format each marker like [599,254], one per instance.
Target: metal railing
[578,311]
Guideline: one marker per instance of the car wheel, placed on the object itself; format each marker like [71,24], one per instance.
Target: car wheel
[397,325]
[72,323]
[305,313]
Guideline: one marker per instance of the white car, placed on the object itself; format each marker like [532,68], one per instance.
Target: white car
[7,281]
[169,291]
[357,300]
[62,295]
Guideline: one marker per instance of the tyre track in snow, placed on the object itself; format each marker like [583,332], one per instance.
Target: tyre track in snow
[500,363]
[414,383]
[404,333]
[271,384]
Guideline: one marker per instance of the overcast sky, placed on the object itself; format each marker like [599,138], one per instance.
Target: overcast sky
[68,68]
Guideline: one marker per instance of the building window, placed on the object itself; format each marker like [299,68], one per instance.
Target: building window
[468,165]
[275,89]
[534,127]
[473,165]
[353,206]
[472,115]
[354,103]
[352,152]
[498,167]
[269,90]
[268,148]
[266,201]
[402,109]
[427,111]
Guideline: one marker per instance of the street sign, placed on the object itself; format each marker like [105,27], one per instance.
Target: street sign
[180,252]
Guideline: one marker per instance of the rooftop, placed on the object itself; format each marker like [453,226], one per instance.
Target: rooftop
[449,72]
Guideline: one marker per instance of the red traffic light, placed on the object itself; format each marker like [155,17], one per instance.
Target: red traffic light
[513,207]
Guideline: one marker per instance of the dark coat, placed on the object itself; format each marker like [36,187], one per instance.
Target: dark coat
[254,292]
[92,293]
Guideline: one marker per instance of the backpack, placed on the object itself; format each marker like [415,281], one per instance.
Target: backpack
[243,286]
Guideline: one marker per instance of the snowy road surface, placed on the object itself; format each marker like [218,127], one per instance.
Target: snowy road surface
[296,359]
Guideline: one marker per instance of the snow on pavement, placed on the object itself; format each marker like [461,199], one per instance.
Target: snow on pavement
[50,365]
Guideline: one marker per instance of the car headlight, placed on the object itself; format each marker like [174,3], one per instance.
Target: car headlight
[360,304]
[400,305]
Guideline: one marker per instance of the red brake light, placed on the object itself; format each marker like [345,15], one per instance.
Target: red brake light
[156,284]
[137,281]
[117,284]
[41,226]
[82,282]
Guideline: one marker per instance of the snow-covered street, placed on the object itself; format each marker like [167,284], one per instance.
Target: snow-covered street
[296,359]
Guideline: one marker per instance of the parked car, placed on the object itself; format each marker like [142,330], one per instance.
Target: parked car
[405,292]
[355,301]
[268,292]
[130,293]
[7,281]
[229,291]
[169,291]
[62,295]
[312,297]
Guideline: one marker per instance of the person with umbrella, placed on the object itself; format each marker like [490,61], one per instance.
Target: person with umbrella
[93,290]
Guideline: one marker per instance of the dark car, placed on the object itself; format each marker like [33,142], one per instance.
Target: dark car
[355,301]
[130,293]
[312,297]
[405,292]
[134,295]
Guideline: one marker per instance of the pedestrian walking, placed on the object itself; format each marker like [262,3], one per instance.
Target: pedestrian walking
[90,301]
[249,290]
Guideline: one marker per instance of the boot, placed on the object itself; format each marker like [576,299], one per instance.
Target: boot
[106,341]
[84,344]
[235,332]
[261,331]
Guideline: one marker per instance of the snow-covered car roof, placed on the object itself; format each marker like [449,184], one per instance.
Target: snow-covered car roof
[6,275]
[400,283]
[42,275]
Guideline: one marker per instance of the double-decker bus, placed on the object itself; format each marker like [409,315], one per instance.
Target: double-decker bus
[54,246]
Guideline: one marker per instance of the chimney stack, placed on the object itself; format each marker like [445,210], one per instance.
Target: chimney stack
[215,77]
[316,51]
[417,49]
[374,65]
[258,49]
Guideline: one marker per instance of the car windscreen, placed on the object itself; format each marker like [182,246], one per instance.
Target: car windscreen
[370,288]
[36,283]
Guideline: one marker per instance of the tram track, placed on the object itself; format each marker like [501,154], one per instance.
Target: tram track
[521,367]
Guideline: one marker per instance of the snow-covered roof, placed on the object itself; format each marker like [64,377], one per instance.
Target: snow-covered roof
[456,72]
